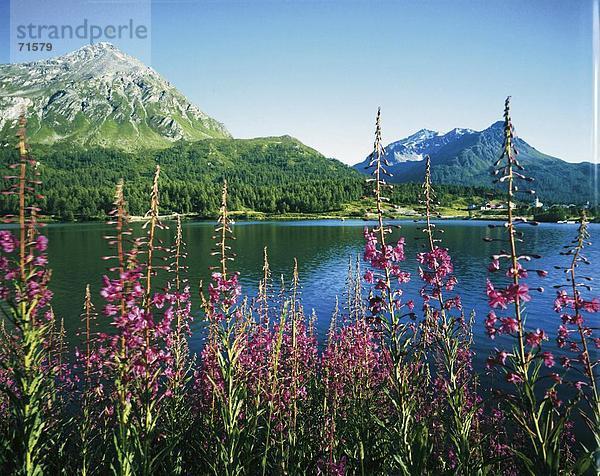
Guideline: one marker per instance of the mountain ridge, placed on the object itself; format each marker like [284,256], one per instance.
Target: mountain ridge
[466,158]
[98,95]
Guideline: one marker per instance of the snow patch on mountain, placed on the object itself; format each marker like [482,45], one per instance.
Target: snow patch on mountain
[425,142]
[15,106]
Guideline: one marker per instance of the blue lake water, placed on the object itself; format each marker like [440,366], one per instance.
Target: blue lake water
[323,249]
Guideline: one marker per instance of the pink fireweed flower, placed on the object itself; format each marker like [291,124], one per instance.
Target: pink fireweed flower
[41,243]
[403,277]
[574,347]
[223,295]
[378,259]
[159,300]
[40,261]
[454,302]
[494,266]
[556,377]
[371,252]
[436,272]
[517,292]
[397,252]
[381,285]
[548,359]
[513,378]
[534,339]
[496,298]
[389,259]
[282,381]
[376,305]
[139,341]
[337,468]
[571,318]
[451,283]
[552,395]
[490,324]
[563,335]
[572,308]
[591,306]
[438,260]
[208,380]
[353,359]
[8,242]
[519,271]
[111,290]
[498,359]
[509,325]
[562,301]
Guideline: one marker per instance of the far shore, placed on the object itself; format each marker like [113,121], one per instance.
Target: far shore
[242,216]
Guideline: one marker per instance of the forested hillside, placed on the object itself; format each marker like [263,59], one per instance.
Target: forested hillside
[269,175]
[272,175]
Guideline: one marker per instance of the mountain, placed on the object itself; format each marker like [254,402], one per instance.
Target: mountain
[97,115]
[99,96]
[465,157]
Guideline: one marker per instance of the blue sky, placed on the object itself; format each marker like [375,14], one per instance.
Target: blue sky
[317,70]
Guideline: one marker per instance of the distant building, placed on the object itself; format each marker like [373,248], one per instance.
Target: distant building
[496,206]
[537,203]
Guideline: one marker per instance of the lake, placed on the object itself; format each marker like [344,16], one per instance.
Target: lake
[323,248]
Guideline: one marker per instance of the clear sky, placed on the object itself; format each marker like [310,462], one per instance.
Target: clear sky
[318,69]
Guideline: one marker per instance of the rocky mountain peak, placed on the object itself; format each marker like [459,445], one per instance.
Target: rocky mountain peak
[98,95]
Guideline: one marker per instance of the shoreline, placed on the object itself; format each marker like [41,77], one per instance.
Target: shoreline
[259,217]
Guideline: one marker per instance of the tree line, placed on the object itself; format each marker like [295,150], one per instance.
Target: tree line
[272,175]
